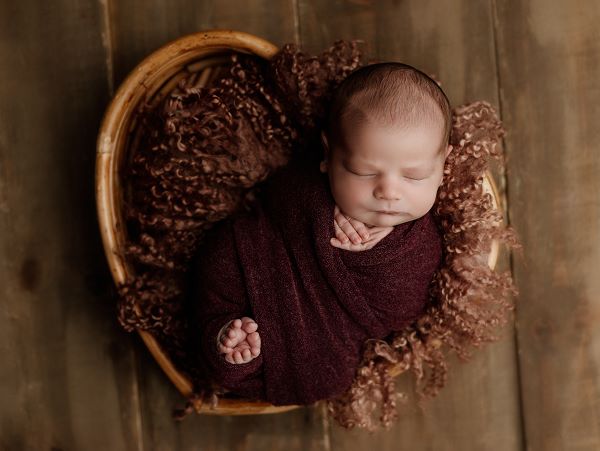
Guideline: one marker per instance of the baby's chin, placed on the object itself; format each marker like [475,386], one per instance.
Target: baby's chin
[384,220]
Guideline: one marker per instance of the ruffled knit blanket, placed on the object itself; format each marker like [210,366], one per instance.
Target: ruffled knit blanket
[315,304]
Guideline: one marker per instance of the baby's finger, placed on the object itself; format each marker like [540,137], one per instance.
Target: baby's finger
[245,355]
[225,340]
[231,358]
[254,342]
[337,243]
[348,229]
[344,229]
[348,246]
[231,332]
[224,349]
[231,337]
[237,357]
[249,325]
[339,233]
[360,228]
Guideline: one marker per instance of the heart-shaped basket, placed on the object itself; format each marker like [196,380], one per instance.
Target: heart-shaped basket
[200,54]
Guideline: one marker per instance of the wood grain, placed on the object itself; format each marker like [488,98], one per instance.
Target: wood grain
[66,378]
[454,41]
[550,72]
[137,28]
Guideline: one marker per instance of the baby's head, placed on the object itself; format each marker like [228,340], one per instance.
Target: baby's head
[385,143]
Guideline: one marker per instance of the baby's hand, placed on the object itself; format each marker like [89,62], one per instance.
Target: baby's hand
[348,229]
[346,226]
[239,340]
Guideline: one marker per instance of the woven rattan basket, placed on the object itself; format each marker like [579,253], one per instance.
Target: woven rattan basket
[154,78]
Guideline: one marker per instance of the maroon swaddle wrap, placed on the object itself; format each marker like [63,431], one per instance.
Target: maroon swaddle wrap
[315,304]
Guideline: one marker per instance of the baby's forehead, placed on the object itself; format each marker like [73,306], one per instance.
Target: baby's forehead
[426,125]
[423,115]
[412,145]
[427,132]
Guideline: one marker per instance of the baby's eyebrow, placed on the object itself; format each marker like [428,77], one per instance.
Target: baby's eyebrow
[418,170]
[409,169]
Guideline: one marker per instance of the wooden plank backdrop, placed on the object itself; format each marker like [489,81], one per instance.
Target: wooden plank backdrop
[67,377]
[549,55]
[71,379]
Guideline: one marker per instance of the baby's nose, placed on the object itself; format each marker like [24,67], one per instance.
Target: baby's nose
[388,191]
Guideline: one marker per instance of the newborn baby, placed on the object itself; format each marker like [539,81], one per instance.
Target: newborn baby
[267,282]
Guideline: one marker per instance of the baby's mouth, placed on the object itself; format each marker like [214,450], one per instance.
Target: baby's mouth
[389,212]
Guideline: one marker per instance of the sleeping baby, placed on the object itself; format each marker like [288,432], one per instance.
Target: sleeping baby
[331,256]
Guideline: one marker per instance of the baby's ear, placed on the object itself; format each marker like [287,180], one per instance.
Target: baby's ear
[448,150]
[323,166]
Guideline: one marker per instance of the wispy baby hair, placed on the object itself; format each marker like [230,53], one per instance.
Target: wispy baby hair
[387,93]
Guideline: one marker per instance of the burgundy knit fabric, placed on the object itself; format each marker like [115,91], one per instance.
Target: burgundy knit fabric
[315,304]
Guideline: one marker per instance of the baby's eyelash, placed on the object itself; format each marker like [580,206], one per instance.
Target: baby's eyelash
[368,175]
[360,175]
[363,175]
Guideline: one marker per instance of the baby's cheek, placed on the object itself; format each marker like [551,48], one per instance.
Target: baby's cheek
[354,195]
[426,201]
[349,197]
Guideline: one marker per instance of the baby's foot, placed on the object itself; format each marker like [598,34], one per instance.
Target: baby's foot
[239,341]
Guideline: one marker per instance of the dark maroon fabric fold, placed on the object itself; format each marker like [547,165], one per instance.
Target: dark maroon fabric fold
[315,304]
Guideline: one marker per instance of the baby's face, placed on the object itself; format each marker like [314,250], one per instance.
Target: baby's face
[385,169]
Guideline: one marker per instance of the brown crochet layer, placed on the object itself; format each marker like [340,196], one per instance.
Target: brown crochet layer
[203,155]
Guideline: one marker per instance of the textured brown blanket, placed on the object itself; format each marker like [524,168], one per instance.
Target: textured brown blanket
[315,304]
